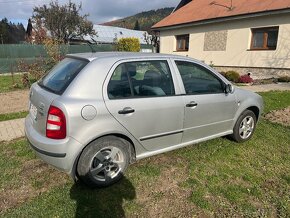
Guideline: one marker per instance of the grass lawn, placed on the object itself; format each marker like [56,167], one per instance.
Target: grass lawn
[7,83]
[215,178]
[12,116]
[276,100]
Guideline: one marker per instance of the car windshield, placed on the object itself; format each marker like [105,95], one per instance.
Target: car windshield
[59,78]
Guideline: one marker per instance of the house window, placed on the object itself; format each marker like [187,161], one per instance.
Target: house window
[182,42]
[264,38]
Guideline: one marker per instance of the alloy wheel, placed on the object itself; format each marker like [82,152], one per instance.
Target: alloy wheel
[246,127]
[107,163]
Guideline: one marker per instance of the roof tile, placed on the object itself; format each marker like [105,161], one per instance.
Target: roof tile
[199,10]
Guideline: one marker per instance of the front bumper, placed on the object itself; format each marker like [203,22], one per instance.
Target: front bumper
[61,154]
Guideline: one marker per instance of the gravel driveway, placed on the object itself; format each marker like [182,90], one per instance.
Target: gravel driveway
[15,101]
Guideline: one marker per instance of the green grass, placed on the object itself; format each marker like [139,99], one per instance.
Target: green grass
[11,116]
[6,83]
[9,83]
[222,178]
[72,200]
[275,100]
[12,157]
[244,176]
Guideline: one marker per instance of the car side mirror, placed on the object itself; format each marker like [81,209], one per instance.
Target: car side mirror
[229,88]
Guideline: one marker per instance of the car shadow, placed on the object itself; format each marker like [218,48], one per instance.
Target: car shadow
[103,202]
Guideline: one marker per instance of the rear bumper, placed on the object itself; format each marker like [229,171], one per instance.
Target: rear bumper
[58,153]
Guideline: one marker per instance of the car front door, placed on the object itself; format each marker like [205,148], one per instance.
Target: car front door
[209,111]
[142,97]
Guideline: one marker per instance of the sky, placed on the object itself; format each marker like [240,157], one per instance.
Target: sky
[99,11]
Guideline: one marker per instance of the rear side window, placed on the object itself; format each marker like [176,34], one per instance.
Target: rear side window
[141,79]
[59,78]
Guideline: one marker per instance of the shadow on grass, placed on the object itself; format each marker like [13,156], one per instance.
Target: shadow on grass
[105,202]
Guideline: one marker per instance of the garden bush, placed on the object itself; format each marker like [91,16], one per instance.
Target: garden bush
[41,65]
[223,73]
[232,76]
[128,44]
[284,79]
[245,79]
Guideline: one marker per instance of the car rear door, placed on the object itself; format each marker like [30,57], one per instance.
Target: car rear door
[143,97]
[209,111]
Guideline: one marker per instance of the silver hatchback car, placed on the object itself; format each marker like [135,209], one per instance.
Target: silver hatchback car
[95,113]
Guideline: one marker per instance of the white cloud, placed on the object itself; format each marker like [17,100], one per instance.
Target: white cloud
[99,10]
[107,10]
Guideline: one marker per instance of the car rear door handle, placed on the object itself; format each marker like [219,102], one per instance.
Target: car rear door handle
[126,110]
[191,104]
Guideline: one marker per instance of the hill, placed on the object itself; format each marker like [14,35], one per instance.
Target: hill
[145,19]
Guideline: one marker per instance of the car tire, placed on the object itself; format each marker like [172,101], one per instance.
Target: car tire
[244,127]
[103,162]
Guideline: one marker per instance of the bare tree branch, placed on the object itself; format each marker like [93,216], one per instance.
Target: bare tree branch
[63,21]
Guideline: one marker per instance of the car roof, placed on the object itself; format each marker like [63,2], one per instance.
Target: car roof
[123,55]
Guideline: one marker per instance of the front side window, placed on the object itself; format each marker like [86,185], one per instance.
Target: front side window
[198,80]
[264,38]
[182,42]
[141,79]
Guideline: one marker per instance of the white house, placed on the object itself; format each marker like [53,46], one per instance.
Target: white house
[241,35]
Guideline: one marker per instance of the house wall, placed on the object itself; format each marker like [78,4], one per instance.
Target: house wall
[236,54]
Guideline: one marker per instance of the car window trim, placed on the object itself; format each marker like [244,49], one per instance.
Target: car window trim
[129,80]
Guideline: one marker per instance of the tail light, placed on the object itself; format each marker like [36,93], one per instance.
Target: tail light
[56,124]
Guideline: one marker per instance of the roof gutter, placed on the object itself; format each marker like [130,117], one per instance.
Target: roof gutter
[223,19]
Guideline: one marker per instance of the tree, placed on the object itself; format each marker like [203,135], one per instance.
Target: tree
[4,31]
[11,32]
[153,39]
[137,26]
[39,33]
[63,22]
[29,28]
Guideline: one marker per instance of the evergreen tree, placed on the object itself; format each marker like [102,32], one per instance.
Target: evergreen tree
[29,28]
[137,26]
[4,31]
[10,32]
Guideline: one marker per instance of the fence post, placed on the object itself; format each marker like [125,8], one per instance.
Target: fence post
[12,74]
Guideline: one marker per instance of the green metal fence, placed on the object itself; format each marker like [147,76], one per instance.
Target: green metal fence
[11,55]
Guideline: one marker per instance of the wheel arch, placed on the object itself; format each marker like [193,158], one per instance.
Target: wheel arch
[123,137]
[130,144]
[255,110]
[254,113]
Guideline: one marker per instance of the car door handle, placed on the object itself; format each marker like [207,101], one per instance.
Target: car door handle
[191,104]
[126,110]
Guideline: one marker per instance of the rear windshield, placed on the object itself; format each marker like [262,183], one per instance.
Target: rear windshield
[59,78]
